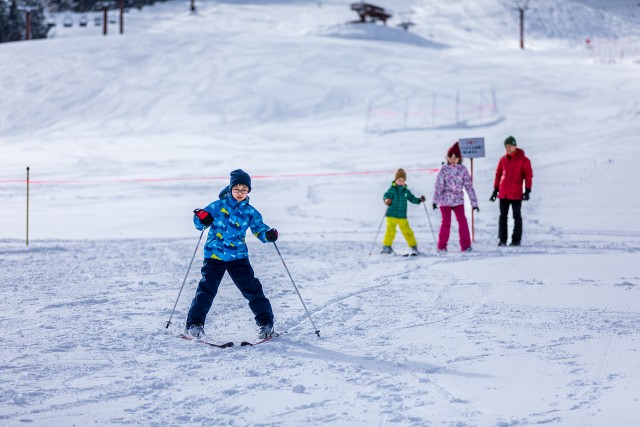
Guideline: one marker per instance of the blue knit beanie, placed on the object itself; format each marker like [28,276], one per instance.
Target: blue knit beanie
[239,176]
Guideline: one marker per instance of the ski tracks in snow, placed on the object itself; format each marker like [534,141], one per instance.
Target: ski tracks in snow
[411,341]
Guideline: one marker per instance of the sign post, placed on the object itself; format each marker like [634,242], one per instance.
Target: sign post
[472,148]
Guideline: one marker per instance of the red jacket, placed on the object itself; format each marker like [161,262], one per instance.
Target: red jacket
[512,170]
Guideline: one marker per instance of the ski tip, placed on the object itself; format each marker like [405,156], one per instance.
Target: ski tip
[261,340]
[204,341]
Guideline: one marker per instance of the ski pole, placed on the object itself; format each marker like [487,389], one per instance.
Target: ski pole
[373,245]
[431,226]
[185,278]
[317,331]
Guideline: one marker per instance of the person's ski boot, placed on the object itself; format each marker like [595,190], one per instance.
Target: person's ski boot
[196,331]
[265,331]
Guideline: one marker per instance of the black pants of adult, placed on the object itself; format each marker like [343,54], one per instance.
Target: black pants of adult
[242,275]
[517,220]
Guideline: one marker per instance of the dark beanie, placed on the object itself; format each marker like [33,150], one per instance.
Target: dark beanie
[239,176]
[455,149]
[400,173]
[510,141]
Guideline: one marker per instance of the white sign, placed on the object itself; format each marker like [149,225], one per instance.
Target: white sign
[471,147]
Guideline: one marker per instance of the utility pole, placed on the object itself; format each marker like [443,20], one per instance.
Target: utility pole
[105,15]
[121,16]
[521,28]
[521,6]
[28,32]
[27,10]
[105,19]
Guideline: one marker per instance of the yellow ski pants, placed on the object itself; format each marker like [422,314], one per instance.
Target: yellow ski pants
[407,232]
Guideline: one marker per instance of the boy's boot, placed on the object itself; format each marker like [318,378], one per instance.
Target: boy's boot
[386,250]
[196,331]
[414,250]
[265,331]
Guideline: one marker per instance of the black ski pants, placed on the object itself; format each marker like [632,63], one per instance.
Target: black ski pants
[517,220]
[242,275]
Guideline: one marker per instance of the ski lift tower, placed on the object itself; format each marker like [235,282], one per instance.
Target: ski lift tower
[405,21]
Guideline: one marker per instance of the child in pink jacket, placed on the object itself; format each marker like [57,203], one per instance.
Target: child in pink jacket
[452,178]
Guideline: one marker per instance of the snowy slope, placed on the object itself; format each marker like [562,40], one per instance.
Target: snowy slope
[125,135]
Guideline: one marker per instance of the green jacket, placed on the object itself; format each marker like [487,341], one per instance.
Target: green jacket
[399,196]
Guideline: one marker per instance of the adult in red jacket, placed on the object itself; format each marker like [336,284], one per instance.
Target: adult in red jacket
[514,169]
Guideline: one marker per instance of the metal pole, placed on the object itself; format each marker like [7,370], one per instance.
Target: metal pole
[521,28]
[317,331]
[494,103]
[433,108]
[473,236]
[121,16]
[406,113]
[379,228]
[27,205]
[185,279]
[366,126]
[104,20]
[431,226]
[28,35]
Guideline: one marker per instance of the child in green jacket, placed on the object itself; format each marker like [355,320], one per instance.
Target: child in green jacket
[396,198]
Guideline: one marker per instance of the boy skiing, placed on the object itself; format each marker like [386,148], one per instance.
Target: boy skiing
[396,198]
[226,251]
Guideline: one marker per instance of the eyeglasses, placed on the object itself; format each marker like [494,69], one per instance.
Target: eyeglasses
[239,191]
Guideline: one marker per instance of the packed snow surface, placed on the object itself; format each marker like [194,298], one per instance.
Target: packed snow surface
[125,135]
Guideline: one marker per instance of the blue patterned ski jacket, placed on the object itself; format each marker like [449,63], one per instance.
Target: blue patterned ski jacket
[231,219]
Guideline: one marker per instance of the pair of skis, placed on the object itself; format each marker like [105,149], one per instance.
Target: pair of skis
[408,255]
[231,343]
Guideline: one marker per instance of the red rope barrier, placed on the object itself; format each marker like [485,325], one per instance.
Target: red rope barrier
[212,178]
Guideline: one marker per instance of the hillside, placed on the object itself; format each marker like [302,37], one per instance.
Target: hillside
[126,135]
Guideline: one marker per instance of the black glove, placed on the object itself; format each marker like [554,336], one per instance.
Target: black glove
[477,209]
[434,206]
[494,195]
[205,217]
[422,198]
[525,196]
[271,235]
